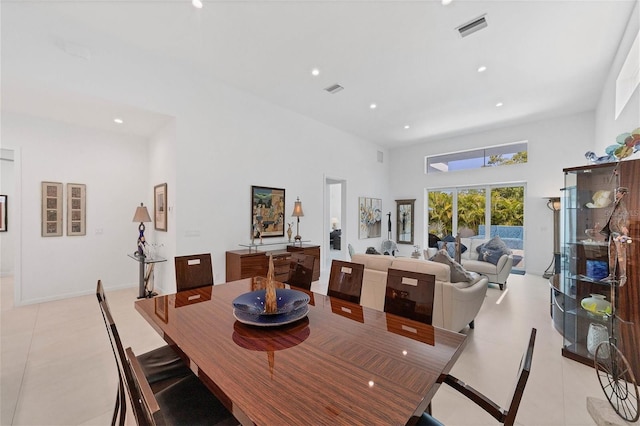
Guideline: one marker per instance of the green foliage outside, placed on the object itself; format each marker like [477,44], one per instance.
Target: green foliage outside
[507,208]
[499,160]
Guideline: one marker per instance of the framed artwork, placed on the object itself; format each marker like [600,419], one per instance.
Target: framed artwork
[76,209]
[3,213]
[160,207]
[51,209]
[370,210]
[267,212]
[404,227]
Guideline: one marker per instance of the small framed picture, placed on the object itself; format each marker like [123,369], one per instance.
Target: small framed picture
[76,209]
[267,211]
[160,207]
[51,209]
[3,213]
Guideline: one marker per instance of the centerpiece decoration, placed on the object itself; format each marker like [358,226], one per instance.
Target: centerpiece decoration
[271,304]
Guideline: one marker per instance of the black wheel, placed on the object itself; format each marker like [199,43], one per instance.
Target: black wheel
[617,381]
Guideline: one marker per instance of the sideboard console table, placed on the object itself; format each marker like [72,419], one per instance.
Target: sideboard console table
[251,261]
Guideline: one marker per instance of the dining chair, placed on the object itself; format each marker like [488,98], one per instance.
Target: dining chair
[185,402]
[301,270]
[507,417]
[345,280]
[410,295]
[193,271]
[161,366]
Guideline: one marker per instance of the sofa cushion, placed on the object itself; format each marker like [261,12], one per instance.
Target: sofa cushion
[479,266]
[440,270]
[492,250]
[472,245]
[449,247]
[458,274]
[373,261]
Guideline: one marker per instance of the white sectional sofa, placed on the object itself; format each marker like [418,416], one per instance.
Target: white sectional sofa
[455,304]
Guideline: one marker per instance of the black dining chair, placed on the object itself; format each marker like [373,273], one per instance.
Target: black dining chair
[410,295]
[507,417]
[301,270]
[185,402]
[161,366]
[193,271]
[345,280]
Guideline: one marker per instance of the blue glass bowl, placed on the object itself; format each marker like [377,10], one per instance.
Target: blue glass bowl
[287,299]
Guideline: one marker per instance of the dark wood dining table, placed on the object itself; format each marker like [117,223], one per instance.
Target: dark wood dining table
[342,364]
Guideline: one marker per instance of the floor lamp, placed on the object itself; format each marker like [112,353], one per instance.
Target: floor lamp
[554,267]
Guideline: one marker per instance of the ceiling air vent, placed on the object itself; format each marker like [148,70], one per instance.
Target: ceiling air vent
[471,27]
[334,89]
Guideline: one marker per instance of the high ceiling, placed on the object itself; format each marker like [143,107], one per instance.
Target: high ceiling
[542,58]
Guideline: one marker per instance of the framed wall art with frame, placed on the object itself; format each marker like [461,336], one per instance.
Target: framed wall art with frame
[404,227]
[267,212]
[3,213]
[76,209]
[51,219]
[160,207]
[370,211]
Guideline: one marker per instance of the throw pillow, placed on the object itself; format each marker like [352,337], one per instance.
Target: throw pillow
[494,243]
[490,255]
[452,239]
[433,241]
[448,246]
[458,273]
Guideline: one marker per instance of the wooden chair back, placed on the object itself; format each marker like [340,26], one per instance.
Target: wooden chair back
[345,280]
[301,270]
[410,295]
[149,409]
[508,417]
[193,271]
[125,375]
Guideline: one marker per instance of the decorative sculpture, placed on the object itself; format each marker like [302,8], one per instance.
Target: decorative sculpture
[270,303]
[617,231]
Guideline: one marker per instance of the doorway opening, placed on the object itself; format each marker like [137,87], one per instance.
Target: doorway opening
[335,221]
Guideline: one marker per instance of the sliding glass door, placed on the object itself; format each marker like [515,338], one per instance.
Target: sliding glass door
[480,212]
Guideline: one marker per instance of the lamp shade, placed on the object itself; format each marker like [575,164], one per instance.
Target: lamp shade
[297,208]
[142,215]
[553,203]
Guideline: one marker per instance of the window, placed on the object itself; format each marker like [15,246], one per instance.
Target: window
[514,153]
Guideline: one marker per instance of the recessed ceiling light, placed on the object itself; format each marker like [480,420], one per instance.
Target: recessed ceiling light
[315,72]
[118,120]
[482,68]
[446,2]
[373,106]
[407,126]
[499,104]
[197,4]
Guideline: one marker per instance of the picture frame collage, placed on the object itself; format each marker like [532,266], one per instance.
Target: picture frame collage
[52,209]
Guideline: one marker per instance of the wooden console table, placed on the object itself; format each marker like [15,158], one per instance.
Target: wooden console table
[248,263]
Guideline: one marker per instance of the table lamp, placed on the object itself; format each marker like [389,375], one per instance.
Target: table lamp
[141,215]
[297,213]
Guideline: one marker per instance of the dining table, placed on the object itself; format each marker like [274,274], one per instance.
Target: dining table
[338,364]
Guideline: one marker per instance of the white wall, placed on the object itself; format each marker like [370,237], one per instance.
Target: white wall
[221,142]
[162,169]
[607,127]
[335,205]
[553,145]
[8,238]
[115,170]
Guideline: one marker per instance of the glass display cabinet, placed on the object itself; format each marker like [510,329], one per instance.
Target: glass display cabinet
[582,291]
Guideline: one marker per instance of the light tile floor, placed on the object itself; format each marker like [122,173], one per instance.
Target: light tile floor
[57,367]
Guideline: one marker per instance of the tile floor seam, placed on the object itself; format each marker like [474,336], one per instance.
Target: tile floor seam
[26,363]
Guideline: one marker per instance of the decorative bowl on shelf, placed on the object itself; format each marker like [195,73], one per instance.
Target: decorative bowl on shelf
[596,304]
[254,302]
